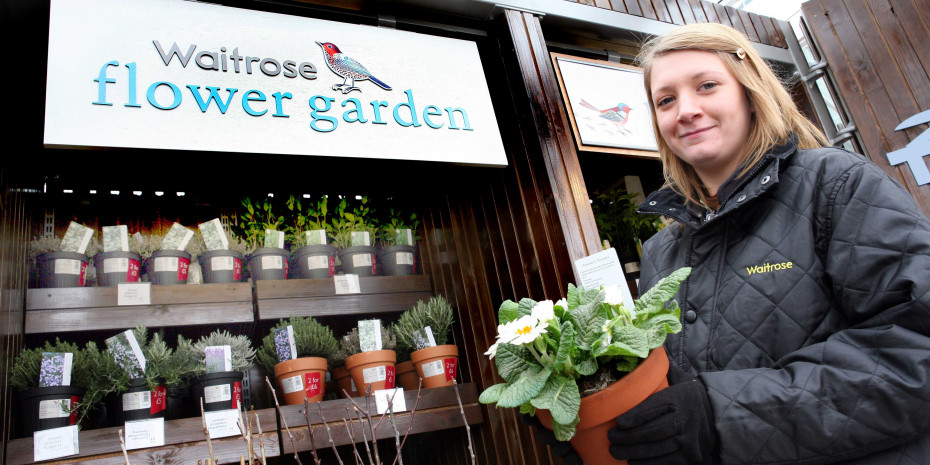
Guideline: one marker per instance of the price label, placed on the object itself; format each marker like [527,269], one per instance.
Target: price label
[54,408]
[317,262]
[218,393]
[404,258]
[347,284]
[134,294]
[221,263]
[390,397]
[115,265]
[434,368]
[54,443]
[272,262]
[223,423]
[137,400]
[360,260]
[142,434]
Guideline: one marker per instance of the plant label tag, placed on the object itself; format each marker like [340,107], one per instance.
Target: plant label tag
[274,238]
[284,343]
[359,238]
[223,423]
[127,353]
[115,265]
[67,266]
[347,284]
[404,258]
[58,408]
[292,384]
[54,443]
[404,236]
[317,262]
[390,398]
[316,237]
[176,238]
[218,393]
[55,369]
[214,236]
[166,264]
[604,269]
[361,260]
[374,374]
[369,335]
[218,358]
[134,294]
[116,238]
[76,239]
[272,262]
[423,338]
[137,400]
[434,368]
[222,263]
[143,434]
[451,365]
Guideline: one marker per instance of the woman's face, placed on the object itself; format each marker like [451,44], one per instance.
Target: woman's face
[702,112]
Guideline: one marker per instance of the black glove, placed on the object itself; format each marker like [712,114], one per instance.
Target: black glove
[674,426]
[546,436]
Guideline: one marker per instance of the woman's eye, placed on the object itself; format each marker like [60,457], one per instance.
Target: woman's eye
[708,85]
[664,101]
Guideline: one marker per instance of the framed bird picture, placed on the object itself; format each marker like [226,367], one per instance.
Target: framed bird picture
[607,106]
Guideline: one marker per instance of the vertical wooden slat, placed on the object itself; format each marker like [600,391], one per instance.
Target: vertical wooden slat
[709,11]
[759,26]
[904,50]
[647,9]
[735,19]
[632,7]
[747,25]
[778,39]
[698,11]
[618,5]
[674,12]
[685,8]
[722,16]
[909,17]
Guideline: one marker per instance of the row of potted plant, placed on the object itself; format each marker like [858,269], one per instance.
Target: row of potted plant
[170,381]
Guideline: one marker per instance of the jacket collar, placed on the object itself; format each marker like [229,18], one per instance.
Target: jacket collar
[733,193]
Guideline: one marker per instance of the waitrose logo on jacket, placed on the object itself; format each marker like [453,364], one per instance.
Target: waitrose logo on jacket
[768,267]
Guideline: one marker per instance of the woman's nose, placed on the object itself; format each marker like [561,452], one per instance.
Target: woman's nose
[688,108]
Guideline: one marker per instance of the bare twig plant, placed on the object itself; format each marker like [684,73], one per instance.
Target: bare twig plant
[316,459]
[413,414]
[274,395]
[122,445]
[471,450]
[358,458]
[329,433]
[206,433]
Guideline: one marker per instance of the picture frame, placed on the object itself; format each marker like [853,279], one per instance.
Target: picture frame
[607,106]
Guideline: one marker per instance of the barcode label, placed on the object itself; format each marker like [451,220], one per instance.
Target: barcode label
[219,393]
[54,408]
[292,384]
[67,266]
[115,265]
[318,262]
[361,260]
[221,263]
[166,264]
[272,262]
[137,400]
[433,369]
[374,374]
[404,258]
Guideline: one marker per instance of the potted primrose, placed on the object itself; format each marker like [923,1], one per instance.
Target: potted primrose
[398,244]
[221,360]
[309,232]
[50,382]
[297,351]
[583,361]
[424,330]
[370,356]
[352,235]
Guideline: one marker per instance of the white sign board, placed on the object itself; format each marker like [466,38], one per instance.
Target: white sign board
[173,74]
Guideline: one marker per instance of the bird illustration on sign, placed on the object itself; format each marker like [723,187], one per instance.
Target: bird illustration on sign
[347,68]
[913,154]
[618,115]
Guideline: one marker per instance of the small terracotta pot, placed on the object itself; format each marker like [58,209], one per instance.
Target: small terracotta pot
[407,376]
[436,365]
[375,368]
[344,381]
[301,378]
[599,410]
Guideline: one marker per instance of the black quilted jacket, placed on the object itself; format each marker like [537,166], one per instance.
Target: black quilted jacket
[807,313]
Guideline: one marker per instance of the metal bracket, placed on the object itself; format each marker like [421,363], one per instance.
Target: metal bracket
[613,56]
[844,134]
[816,71]
[388,21]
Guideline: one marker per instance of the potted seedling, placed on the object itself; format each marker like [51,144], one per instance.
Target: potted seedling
[424,330]
[309,232]
[371,357]
[585,360]
[259,224]
[117,263]
[220,262]
[221,358]
[352,235]
[296,351]
[50,382]
[168,256]
[63,262]
[407,376]
[398,244]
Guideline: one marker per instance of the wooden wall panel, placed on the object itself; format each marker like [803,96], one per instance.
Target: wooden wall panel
[880,60]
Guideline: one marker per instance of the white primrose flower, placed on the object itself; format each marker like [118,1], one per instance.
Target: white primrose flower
[493,350]
[523,330]
[544,312]
[562,303]
[613,295]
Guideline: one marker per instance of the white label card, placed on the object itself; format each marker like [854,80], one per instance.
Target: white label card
[433,369]
[347,284]
[362,259]
[316,262]
[404,258]
[292,384]
[223,423]
[218,393]
[142,434]
[54,443]
[166,264]
[221,263]
[374,374]
[603,269]
[67,266]
[272,262]
[134,294]
[137,400]
[54,408]
[393,397]
[115,265]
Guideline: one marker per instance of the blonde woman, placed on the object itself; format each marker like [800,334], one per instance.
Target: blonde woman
[806,319]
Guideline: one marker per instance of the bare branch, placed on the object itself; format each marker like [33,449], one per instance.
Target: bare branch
[329,433]
[274,395]
[206,432]
[358,458]
[316,459]
[413,414]
[471,450]
[122,445]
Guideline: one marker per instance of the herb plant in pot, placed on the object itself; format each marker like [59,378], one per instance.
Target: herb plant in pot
[50,383]
[61,263]
[297,352]
[168,256]
[118,262]
[371,357]
[407,376]
[424,330]
[221,358]
[583,361]
[308,231]
[352,235]
[268,258]
[220,262]
[398,244]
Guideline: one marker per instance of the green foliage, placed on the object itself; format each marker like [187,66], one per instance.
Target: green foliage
[164,365]
[573,339]
[311,338]
[398,220]
[360,218]
[349,345]
[255,219]
[436,313]
[26,367]
[618,222]
[306,216]
[240,348]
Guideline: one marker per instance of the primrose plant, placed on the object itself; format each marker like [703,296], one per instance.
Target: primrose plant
[545,351]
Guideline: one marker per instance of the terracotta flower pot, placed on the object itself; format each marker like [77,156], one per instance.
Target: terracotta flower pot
[344,381]
[599,410]
[375,368]
[301,378]
[407,376]
[436,365]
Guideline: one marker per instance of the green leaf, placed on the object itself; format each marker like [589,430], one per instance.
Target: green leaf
[526,306]
[524,389]
[586,366]
[512,361]
[566,345]
[564,432]
[561,397]
[628,340]
[492,394]
[572,297]
[627,364]
[589,320]
[591,295]
[508,312]
[654,299]
[528,409]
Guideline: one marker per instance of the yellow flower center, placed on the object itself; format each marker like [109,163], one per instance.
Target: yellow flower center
[524,331]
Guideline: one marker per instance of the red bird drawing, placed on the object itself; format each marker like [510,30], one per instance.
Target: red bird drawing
[348,68]
[618,115]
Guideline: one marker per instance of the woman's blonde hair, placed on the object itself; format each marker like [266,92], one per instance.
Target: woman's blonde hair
[775,115]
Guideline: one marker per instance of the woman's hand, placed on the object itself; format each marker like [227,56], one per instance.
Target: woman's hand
[561,448]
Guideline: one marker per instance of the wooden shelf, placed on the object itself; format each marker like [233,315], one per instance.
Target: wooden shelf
[317,297]
[437,410]
[54,310]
